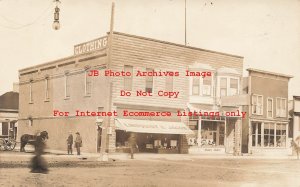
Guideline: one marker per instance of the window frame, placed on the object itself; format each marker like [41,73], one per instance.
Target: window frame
[47,96]
[272,109]
[195,86]
[31,92]
[200,86]
[87,84]
[67,86]
[281,113]
[266,125]
[147,81]
[210,86]
[256,134]
[228,81]
[169,83]
[262,104]
[128,78]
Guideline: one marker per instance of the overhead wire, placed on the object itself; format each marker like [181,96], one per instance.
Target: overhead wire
[20,26]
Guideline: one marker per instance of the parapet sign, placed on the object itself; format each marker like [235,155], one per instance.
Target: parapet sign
[90,46]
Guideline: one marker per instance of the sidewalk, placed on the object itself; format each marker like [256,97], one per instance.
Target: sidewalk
[58,156]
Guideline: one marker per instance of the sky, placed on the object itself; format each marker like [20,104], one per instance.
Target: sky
[265,32]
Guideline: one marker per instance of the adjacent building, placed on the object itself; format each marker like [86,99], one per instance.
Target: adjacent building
[266,127]
[295,117]
[9,107]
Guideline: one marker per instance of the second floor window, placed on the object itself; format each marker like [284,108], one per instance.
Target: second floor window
[149,81]
[228,86]
[67,86]
[202,86]
[270,108]
[206,89]
[30,92]
[280,107]
[88,84]
[223,87]
[128,80]
[47,97]
[195,86]
[257,104]
[169,83]
[233,86]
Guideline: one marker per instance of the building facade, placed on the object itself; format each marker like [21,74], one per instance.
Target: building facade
[265,130]
[295,117]
[9,107]
[220,131]
[119,83]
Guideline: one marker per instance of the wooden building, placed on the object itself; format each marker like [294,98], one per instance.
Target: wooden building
[265,130]
[53,95]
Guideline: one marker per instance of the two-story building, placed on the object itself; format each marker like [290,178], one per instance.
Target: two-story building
[139,85]
[265,130]
[220,131]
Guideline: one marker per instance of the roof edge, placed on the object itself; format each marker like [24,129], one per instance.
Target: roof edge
[175,44]
[269,72]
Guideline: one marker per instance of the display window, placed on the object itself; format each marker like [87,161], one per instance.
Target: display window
[268,134]
[212,134]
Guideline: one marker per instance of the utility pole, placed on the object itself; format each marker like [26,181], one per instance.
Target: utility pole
[106,125]
[185,22]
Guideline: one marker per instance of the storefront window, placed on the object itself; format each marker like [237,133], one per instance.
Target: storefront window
[212,133]
[4,128]
[193,124]
[256,134]
[280,135]
[269,133]
[148,142]
[274,135]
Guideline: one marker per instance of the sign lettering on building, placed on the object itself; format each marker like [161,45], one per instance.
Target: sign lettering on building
[90,46]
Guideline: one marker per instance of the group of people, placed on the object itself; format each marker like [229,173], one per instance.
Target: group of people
[78,143]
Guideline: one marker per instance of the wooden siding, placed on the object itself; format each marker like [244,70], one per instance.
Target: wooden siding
[144,53]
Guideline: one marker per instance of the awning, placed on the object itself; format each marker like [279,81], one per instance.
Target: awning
[148,126]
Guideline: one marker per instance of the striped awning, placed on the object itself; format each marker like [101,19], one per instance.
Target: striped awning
[149,126]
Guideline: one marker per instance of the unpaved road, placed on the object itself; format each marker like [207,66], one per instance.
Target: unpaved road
[156,172]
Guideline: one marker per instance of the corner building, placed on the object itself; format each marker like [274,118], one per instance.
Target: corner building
[64,85]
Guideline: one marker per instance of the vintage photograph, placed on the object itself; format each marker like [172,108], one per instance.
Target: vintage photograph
[162,93]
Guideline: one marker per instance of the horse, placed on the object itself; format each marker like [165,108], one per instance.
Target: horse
[296,147]
[32,139]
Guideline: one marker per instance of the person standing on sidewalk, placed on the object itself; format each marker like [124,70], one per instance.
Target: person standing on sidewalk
[132,144]
[70,143]
[78,142]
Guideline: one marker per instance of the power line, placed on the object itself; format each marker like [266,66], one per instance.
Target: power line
[24,25]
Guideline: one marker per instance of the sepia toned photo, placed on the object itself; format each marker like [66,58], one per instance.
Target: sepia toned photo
[156,93]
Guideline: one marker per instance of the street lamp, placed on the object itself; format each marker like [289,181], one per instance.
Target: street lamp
[56,24]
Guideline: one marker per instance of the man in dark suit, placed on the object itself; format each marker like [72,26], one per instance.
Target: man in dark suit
[70,143]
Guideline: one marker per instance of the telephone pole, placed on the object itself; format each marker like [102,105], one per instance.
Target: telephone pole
[185,22]
[106,125]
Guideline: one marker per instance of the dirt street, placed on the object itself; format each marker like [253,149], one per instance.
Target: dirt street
[154,173]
